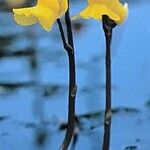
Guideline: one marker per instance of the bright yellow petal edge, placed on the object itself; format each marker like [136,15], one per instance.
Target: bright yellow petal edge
[45,13]
[113,8]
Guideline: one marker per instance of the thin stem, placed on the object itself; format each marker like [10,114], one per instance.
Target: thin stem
[72,78]
[62,33]
[108,25]
[69,27]
[67,47]
[72,84]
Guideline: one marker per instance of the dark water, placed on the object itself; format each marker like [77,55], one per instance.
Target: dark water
[33,83]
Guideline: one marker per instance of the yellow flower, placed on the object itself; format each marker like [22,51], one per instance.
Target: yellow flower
[45,13]
[113,8]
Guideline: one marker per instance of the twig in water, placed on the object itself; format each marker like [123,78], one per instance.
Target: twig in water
[108,25]
[69,47]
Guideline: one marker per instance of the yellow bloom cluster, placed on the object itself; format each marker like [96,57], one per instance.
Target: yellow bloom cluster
[113,8]
[45,13]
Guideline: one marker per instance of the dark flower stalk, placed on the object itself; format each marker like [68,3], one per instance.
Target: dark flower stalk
[69,47]
[108,25]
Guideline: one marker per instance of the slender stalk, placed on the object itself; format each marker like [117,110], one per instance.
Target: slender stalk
[66,46]
[69,46]
[108,25]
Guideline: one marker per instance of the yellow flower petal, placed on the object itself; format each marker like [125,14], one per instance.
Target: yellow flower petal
[45,13]
[51,4]
[113,8]
[30,16]
[63,7]
[97,1]
[24,16]
[46,17]
[97,10]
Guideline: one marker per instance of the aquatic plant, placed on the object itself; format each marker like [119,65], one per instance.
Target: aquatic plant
[46,12]
[69,47]
[112,13]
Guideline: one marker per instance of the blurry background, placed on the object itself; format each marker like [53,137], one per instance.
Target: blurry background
[34,78]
